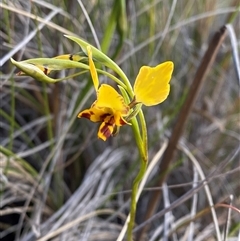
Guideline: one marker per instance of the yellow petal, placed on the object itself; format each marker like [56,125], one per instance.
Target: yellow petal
[105,131]
[109,99]
[93,114]
[152,83]
[93,70]
[119,121]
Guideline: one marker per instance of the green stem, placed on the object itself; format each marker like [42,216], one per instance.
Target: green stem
[29,169]
[47,113]
[143,150]
[10,146]
[122,26]
[110,28]
[136,183]
[144,133]
[142,146]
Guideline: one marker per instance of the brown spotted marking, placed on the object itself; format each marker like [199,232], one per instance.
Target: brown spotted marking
[85,115]
[106,130]
[45,71]
[122,122]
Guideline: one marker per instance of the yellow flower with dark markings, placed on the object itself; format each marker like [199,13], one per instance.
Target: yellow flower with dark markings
[151,88]
[109,108]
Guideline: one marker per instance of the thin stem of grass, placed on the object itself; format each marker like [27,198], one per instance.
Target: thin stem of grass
[206,188]
[89,23]
[109,30]
[6,20]
[12,124]
[47,113]
[227,225]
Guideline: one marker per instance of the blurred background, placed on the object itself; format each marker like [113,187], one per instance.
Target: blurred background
[54,169]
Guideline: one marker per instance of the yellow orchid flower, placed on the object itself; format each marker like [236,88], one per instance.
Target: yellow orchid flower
[109,108]
[151,88]
[152,84]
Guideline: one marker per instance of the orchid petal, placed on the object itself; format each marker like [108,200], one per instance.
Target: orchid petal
[152,83]
[109,98]
[93,70]
[119,121]
[93,114]
[105,131]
